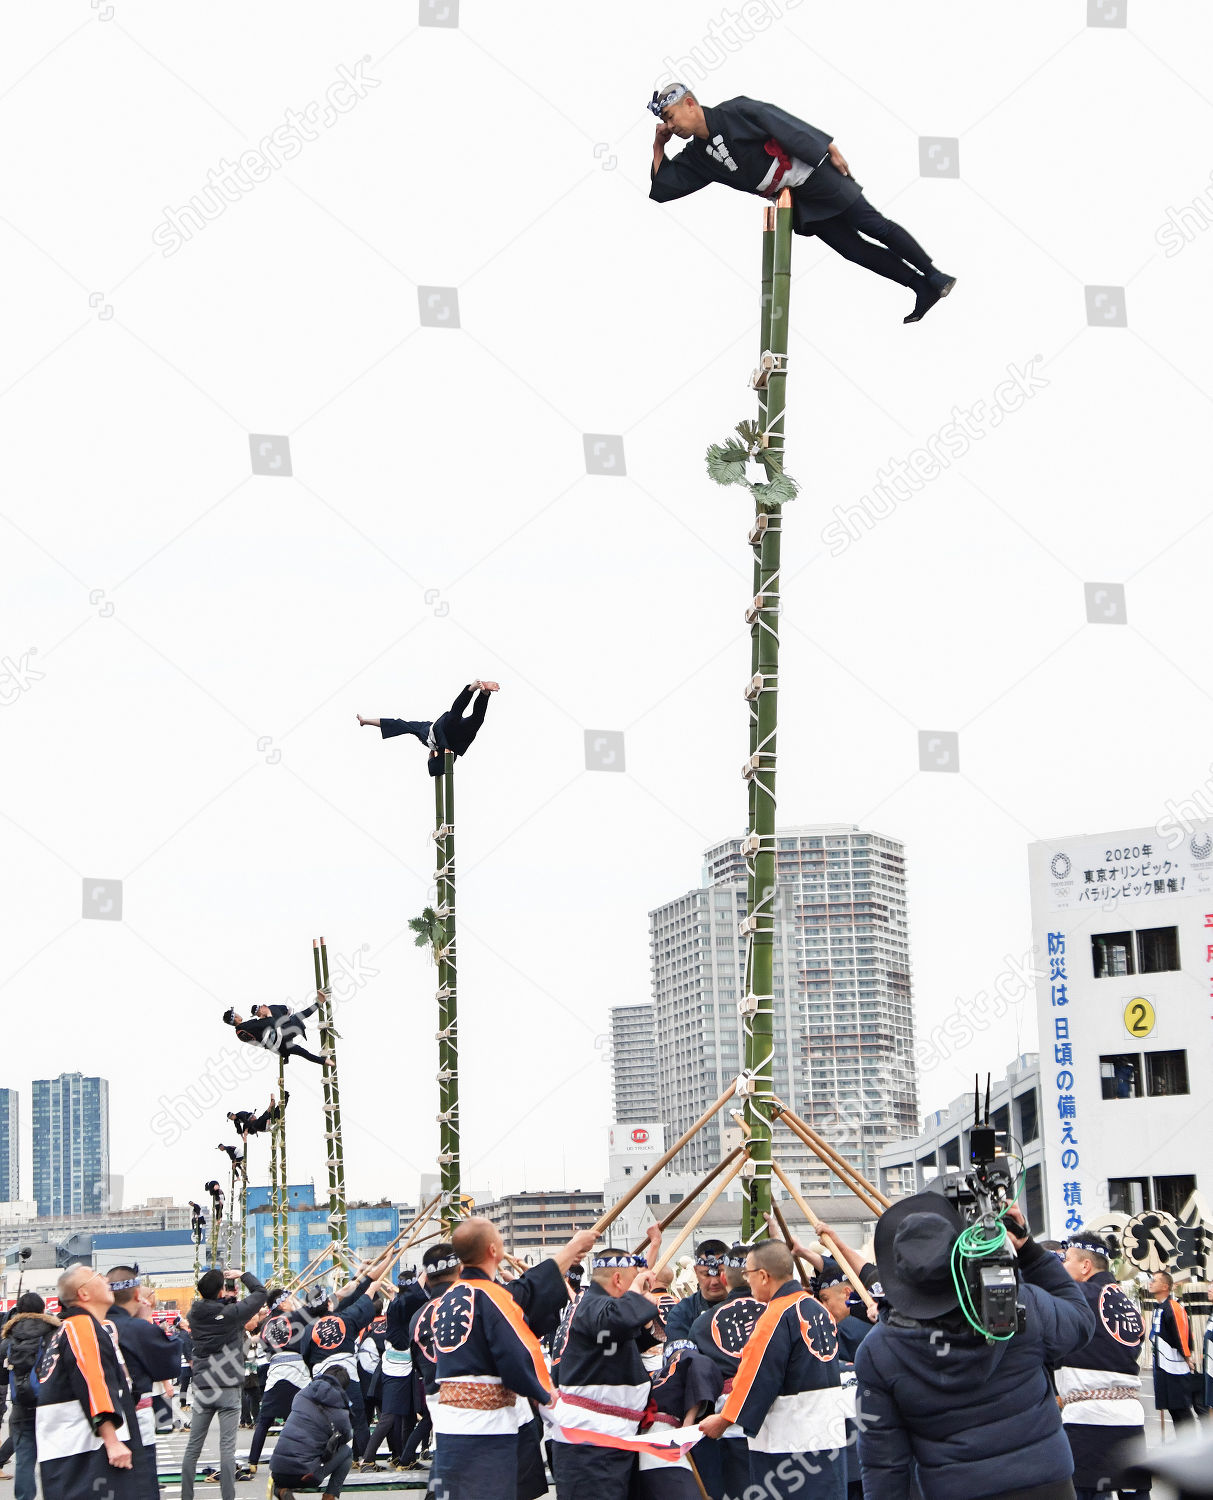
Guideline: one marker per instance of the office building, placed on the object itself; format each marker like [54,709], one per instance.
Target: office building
[1123,930]
[633,1076]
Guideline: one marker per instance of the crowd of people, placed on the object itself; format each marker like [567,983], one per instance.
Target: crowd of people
[785,1372]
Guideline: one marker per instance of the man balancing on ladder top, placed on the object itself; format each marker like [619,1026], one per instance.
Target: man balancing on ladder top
[449,731]
[759,149]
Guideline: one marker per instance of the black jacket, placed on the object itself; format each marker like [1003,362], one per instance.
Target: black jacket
[320,1413]
[736,154]
[217,1329]
[22,1335]
[150,1352]
[454,732]
[974,1419]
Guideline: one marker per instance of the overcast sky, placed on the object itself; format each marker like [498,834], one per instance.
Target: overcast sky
[186,642]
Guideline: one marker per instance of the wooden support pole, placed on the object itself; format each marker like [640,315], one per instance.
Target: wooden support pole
[847,1269]
[693,1222]
[846,1174]
[681,1207]
[806,1274]
[613,1213]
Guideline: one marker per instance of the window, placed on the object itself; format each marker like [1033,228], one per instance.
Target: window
[1128,1195]
[1171,1193]
[1034,1202]
[652,1197]
[1166,1073]
[1029,1117]
[1120,1075]
[1157,949]
[1112,954]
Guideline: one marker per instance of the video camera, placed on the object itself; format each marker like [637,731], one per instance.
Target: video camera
[984,1260]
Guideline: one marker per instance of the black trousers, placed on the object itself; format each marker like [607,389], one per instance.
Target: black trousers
[417,1439]
[277,1403]
[844,233]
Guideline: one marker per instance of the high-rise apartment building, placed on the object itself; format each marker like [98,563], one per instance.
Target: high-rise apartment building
[10,1146]
[633,1076]
[843,1018]
[71,1145]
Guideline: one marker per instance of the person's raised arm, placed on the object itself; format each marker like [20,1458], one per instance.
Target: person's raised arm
[578,1248]
[660,141]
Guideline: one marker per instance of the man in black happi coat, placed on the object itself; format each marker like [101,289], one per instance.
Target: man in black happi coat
[756,148]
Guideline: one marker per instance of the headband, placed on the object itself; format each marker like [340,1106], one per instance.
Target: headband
[825,1282]
[125,1286]
[621,1261]
[735,1259]
[663,98]
[448,1263]
[1091,1242]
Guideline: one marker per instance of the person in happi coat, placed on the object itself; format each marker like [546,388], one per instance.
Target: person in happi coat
[757,148]
[1098,1386]
[542,1293]
[721,1334]
[86,1426]
[1171,1341]
[453,730]
[787,1395]
[604,1387]
[277,1028]
[685,1390]
[710,1289]
[371,1342]
[333,1337]
[488,1365]
[397,1411]
[439,1269]
[151,1353]
[282,1336]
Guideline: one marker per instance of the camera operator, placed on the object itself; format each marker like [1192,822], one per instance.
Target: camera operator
[966,1416]
[217,1322]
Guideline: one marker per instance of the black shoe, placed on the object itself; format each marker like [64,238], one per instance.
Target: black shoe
[926,299]
[941,281]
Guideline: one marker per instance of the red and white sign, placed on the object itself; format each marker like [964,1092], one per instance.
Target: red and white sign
[636,1140]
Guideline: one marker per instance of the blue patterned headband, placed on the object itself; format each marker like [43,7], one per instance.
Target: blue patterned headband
[450,1263]
[125,1286]
[664,97]
[1091,1242]
[622,1261]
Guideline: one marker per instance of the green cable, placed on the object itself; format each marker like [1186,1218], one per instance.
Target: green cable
[976,1243]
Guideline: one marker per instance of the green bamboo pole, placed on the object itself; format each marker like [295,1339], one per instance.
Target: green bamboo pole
[445,954]
[764,343]
[332,1113]
[282,1264]
[276,1251]
[216,1226]
[763,694]
[244,1209]
[230,1232]
[197,1255]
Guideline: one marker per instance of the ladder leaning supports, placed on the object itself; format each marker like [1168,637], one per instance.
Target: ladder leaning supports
[446,957]
[811,1218]
[685,1202]
[848,1175]
[697,1217]
[667,1156]
[334,1156]
[806,1274]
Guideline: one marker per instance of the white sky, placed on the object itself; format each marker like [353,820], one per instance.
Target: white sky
[508,157]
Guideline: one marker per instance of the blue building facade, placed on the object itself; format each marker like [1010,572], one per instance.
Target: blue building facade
[370,1228]
[71,1145]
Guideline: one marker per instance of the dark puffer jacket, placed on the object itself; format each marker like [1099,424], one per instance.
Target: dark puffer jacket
[22,1335]
[320,1412]
[970,1418]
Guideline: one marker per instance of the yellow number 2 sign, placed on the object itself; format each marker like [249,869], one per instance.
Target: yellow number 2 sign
[1139,1017]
